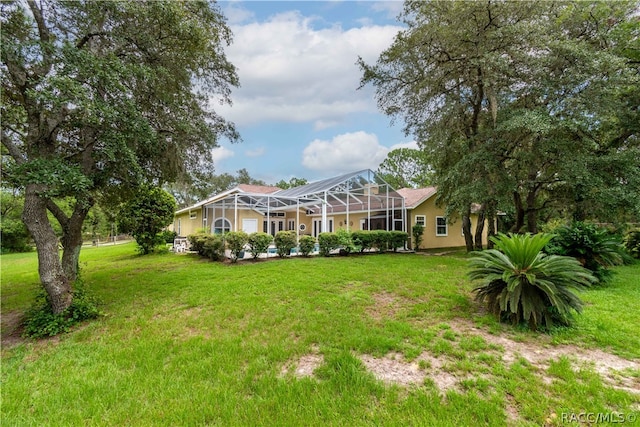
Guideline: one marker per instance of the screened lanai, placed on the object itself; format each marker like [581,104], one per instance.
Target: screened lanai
[355,201]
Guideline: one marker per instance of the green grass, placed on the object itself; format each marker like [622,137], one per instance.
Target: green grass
[189,342]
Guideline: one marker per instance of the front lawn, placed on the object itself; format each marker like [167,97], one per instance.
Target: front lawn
[366,340]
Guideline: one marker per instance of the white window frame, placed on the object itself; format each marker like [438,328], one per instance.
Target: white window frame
[225,222]
[417,218]
[291,225]
[446,227]
[193,214]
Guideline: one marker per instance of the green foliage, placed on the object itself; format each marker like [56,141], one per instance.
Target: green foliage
[328,242]
[345,241]
[14,236]
[236,242]
[596,248]
[40,321]
[306,244]
[632,242]
[208,245]
[522,284]
[362,239]
[406,167]
[259,243]
[146,215]
[380,239]
[168,236]
[417,232]
[397,239]
[285,241]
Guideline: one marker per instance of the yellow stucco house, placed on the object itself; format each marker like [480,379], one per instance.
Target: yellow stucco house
[359,200]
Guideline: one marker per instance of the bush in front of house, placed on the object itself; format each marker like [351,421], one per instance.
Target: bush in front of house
[285,241]
[397,239]
[345,242]
[306,244]
[259,243]
[362,240]
[328,242]
[380,240]
[236,241]
[207,245]
[417,231]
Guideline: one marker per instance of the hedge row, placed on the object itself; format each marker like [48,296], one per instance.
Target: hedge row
[360,241]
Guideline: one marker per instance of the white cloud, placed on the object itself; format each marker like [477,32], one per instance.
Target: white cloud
[392,8]
[292,72]
[410,144]
[344,153]
[220,153]
[258,152]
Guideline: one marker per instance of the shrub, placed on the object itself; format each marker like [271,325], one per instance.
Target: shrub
[307,245]
[236,241]
[208,245]
[259,243]
[417,232]
[397,239]
[169,236]
[522,284]
[41,322]
[380,240]
[595,247]
[327,243]
[632,243]
[345,241]
[362,240]
[285,241]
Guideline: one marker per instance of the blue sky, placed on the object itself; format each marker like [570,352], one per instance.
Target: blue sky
[298,109]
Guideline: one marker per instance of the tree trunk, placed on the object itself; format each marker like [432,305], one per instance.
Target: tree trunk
[491,231]
[480,228]
[466,230]
[517,201]
[532,213]
[52,276]
[72,243]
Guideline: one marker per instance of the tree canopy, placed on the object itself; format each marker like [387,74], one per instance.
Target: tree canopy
[100,97]
[522,106]
[406,168]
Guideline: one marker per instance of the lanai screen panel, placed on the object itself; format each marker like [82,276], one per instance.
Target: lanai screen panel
[355,192]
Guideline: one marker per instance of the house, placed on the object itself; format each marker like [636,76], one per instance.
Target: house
[438,232]
[359,200]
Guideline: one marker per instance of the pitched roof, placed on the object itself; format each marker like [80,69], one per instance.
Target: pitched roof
[322,185]
[258,189]
[415,196]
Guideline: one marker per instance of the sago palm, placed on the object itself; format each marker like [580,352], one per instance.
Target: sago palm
[522,284]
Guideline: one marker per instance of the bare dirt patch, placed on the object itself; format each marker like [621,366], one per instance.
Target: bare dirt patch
[304,366]
[11,325]
[610,367]
[385,305]
[393,368]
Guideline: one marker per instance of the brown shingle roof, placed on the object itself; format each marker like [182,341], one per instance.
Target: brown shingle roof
[258,189]
[414,196]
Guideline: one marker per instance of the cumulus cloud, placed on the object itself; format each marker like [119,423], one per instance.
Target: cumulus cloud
[293,72]
[344,153]
[220,153]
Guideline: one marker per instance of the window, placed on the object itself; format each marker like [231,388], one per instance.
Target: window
[179,227]
[422,220]
[193,215]
[441,226]
[221,225]
[291,225]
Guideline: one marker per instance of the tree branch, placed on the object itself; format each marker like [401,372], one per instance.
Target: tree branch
[45,37]
[58,213]
[13,149]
